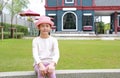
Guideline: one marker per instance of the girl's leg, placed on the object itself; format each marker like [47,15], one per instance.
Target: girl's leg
[36,68]
[52,75]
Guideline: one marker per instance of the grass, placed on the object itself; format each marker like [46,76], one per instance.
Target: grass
[16,54]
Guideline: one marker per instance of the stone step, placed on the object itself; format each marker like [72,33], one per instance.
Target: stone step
[83,73]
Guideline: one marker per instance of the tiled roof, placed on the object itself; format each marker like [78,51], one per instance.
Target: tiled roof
[107,2]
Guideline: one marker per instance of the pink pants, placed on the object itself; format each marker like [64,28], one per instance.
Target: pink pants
[36,68]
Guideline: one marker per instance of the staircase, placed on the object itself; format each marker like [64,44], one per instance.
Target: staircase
[72,34]
[84,35]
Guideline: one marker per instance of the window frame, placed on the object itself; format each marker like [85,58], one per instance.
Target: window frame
[69,20]
[66,1]
[87,21]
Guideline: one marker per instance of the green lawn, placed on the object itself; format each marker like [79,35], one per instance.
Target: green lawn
[16,54]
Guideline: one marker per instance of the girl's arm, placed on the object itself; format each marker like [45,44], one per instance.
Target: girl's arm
[56,54]
[35,51]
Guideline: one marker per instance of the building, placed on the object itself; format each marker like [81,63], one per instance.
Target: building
[81,15]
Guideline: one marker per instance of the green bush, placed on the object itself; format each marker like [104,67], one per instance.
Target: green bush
[22,29]
[17,35]
[19,28]
[6,35]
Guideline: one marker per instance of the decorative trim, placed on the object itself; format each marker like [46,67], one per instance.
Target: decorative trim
[76,22]
[93,3]
[51,14]
[96,8]
[69,9]
[63,2]
[69,2]
[87,14]
[80,2]
[87,27]
[76,2]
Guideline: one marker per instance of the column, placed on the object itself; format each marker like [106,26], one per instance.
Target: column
[115,22]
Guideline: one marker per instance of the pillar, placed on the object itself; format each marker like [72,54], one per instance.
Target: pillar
[115,22]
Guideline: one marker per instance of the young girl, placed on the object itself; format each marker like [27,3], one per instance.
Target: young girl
[45,49]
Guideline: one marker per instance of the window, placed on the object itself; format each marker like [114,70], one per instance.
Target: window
[69,1]
[69,21]
[87,21]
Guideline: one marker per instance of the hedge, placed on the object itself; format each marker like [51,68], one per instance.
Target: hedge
[19,28]
[17,35]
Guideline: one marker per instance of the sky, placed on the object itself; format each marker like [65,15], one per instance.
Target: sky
[38,6]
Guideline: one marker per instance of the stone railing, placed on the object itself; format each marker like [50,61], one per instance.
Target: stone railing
[91,73]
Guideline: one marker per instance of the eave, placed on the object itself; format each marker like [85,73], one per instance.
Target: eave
[96,8]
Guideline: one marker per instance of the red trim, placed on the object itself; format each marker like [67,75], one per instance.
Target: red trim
[75,3]
[115,22]
[93,2]
[46,4]
[97,8]
[80,2]
[102,8]
[63,2]
[87,27]
[57,2]
[118,28]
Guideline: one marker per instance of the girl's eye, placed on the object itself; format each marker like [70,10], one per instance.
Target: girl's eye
[43,26]
[47,25]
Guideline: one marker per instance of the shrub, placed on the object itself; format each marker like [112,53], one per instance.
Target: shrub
[19,28]
[6,35]
[22,29]
[17,35]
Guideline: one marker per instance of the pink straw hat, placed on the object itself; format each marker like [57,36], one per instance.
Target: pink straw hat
[44,19]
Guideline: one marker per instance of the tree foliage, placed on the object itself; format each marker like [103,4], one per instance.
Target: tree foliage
[0,6]
[14,7]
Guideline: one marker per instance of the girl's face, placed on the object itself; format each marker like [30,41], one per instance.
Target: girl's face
[44,28]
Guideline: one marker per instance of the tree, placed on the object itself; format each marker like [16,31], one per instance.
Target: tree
[2,5]
[100,27]
[14,7]
[107,27]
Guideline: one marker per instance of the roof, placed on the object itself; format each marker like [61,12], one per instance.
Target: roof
[107,2]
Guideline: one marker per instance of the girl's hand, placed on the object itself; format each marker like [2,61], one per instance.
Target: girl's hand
[42,69]
[51,68]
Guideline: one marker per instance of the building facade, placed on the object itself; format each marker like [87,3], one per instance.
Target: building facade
[80,15]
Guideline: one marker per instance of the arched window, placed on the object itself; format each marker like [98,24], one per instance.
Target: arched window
[69,21]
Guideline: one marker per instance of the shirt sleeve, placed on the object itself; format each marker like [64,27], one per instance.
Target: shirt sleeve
[56,53]
[35,51]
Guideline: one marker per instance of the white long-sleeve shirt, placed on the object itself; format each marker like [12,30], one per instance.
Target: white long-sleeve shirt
[45,50]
